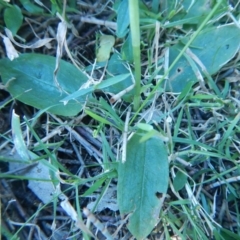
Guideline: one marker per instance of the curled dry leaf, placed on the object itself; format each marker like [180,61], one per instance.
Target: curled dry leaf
[68,208]
[61,36]
[37,44]
[11,51]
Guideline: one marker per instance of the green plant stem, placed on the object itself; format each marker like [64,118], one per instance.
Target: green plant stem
[135,33]
[177,58]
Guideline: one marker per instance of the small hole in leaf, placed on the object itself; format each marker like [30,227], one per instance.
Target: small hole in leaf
[38,75]
[179,70]
[158,195]
[227,46]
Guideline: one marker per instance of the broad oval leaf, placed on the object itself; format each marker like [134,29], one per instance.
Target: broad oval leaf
[13,18]
[141,181]
[179,181]
[29,79]
[214,47]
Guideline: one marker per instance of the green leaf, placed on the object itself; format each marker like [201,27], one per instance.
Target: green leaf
[110,112]
[31,7]
[213,46]
[95,186]
[104,84]
[13,18]
[4,4]
[226,234]
[179,181]
[145,127]
[97,117]
[122,19]
[168,7]
[115,67]
[106,43]
[141,181]
[155,6]
[29,79]
[127,51]
[193,9]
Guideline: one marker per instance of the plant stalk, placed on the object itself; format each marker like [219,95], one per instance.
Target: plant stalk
[135,33]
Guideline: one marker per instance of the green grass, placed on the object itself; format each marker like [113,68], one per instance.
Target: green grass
[80,155]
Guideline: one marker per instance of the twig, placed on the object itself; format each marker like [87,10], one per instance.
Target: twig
[97,224]
[219,183]
[93,20]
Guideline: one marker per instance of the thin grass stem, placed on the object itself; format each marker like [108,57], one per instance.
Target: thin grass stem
[135,32]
